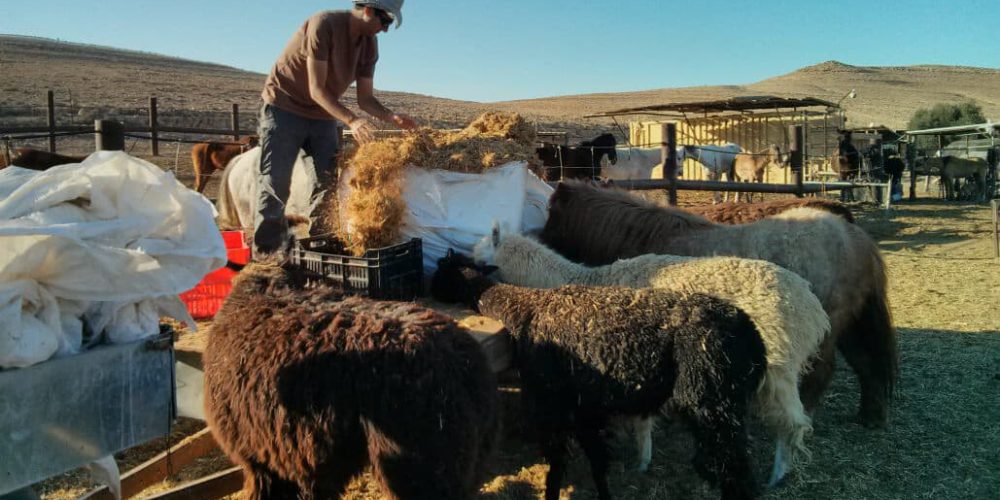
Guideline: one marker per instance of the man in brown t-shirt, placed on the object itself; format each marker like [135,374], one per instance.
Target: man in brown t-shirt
[332,50]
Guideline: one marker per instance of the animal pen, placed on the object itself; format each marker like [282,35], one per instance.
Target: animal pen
[753,122]
[807,127]
[963,141]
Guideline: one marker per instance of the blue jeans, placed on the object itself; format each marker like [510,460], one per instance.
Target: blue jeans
[282,135]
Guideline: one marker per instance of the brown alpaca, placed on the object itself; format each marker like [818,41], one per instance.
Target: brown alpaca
[597,226]
[745,213]
[750,167]
[303,390]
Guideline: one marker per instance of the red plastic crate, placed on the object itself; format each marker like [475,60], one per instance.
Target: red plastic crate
[204,300]
[237,250]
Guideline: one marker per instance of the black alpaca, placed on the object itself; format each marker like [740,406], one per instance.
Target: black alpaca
[586,354]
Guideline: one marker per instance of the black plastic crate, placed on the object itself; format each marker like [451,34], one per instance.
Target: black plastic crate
[392,273]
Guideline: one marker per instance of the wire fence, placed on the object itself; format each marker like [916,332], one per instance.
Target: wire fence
[192,126]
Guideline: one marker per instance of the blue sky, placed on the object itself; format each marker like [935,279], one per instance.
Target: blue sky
[498,50]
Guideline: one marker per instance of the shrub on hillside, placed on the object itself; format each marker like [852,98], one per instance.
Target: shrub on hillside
[946,115]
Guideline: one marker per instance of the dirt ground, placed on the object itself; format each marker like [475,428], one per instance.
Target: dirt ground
[944,436]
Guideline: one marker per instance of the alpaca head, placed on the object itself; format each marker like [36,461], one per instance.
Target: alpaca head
[267,276]
[457,278]
[484,253]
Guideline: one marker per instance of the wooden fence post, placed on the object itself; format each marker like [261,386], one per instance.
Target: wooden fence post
[109,135]
[668,156]
[6,151]
[796,157]
[154,128]
[236,122]
[51,102]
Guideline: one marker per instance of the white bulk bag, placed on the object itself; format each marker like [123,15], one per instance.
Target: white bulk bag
[115,237]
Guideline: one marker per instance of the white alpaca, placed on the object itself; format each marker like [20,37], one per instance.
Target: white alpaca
[788,316]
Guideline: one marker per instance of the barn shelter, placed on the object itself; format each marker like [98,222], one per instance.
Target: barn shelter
[753,122]
[981,140]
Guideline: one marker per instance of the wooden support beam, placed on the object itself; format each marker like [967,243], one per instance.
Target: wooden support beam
[217,485]
[161,466]
[668,157]
[796,150]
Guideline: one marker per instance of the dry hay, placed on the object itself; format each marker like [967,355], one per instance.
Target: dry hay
[374,208]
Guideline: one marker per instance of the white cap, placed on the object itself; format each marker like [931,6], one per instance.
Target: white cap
[393,7]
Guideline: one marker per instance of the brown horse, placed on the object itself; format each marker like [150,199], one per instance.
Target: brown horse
[597,226]
[846,159]
[846,162]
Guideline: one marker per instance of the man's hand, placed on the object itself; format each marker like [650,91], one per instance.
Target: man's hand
[362,130]
[403,121]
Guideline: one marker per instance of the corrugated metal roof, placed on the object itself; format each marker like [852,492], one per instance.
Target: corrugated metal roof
[732,104]
[957,129]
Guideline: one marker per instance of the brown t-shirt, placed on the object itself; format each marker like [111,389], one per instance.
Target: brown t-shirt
[326,37]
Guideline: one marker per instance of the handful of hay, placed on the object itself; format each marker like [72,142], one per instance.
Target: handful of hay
[374,208]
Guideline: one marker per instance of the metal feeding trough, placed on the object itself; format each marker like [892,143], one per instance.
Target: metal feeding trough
[65,413]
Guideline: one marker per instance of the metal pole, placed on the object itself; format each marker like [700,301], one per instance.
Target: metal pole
[51,101]
[995,205]
[927,185]
[668,155]
[109,135]
[154,128]
[911,162]
[236,122]
[796,159]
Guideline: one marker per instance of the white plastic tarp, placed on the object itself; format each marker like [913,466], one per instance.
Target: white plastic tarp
[111,241]
[455,210]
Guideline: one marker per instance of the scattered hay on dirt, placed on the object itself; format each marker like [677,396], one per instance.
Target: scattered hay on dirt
[374,209]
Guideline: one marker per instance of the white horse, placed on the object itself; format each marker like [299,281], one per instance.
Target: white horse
[237,203]
[638,163]
[716,159]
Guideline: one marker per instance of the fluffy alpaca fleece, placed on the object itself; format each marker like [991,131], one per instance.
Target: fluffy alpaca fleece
[789,318]
[745,213]
[597,226]
[303,390]
[586,354]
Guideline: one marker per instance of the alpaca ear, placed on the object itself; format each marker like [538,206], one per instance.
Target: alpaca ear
[495,235]
[451,253]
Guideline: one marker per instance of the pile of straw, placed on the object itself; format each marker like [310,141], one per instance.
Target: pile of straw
[374,208]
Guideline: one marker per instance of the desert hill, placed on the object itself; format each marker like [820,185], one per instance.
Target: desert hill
[105,80]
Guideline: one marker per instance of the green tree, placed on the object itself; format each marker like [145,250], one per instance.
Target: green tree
[946,115]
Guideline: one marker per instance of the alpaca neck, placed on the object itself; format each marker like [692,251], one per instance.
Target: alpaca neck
[528,263]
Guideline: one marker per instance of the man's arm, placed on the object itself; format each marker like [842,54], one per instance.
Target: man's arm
[321,95]
[371,105]
[361,129]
